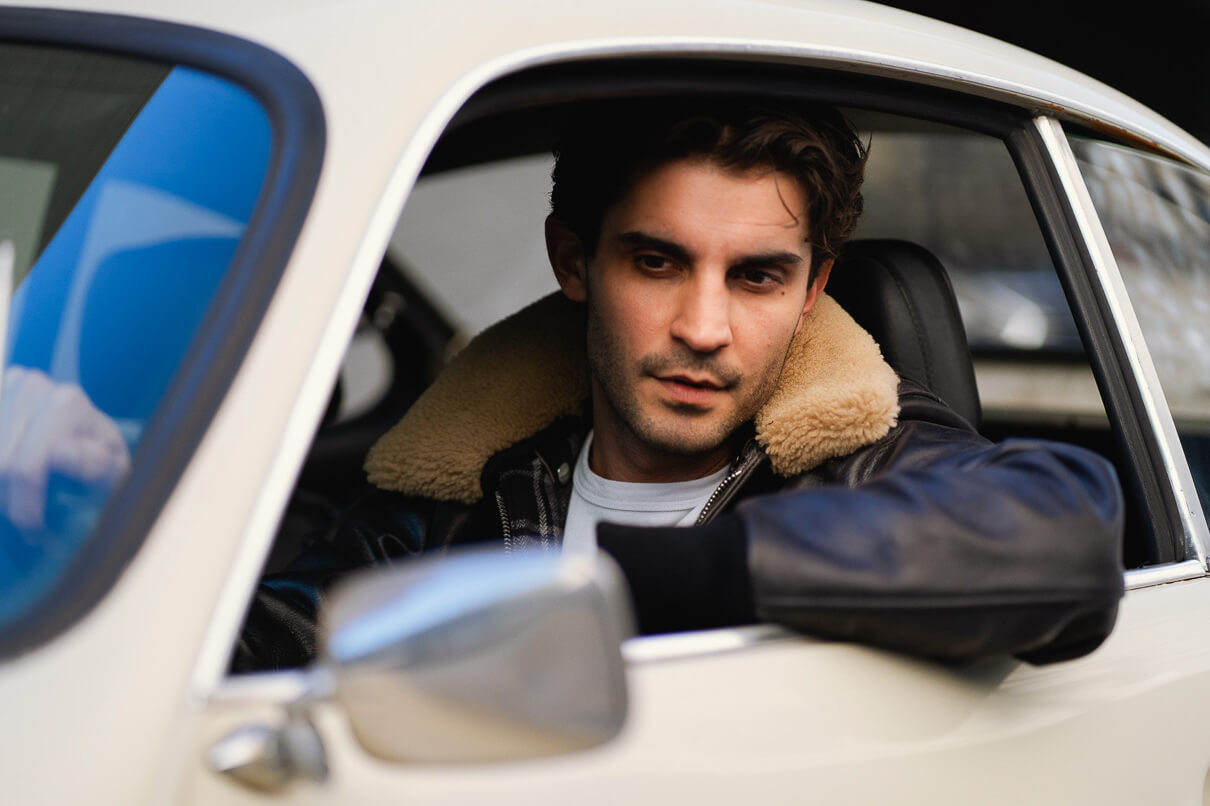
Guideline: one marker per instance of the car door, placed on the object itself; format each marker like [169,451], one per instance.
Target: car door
[725,715]
[152,191]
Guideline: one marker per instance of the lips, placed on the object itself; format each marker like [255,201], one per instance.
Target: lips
[690,390]
[696,382]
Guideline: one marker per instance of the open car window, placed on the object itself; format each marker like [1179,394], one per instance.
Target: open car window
[471,239]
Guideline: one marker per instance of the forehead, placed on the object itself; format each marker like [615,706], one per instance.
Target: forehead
[693,197]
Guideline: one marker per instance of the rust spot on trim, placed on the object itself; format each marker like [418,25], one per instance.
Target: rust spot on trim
[1131,138]
[1113,132]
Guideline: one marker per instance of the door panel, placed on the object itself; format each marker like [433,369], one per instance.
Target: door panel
[795,718]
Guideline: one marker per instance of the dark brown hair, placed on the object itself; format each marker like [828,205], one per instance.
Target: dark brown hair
[605,148]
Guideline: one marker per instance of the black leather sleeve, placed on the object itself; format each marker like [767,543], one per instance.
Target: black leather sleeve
[936,542]
[683,578]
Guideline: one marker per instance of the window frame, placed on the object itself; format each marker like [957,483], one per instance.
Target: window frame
[297,123]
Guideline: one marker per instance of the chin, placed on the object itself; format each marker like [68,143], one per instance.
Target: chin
[683,441]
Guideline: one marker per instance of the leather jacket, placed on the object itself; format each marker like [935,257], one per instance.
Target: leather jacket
[930,541]
[924,538]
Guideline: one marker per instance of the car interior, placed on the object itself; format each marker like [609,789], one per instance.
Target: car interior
[951,269]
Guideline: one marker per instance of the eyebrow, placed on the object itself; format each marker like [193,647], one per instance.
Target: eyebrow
[768,259]
[678,252]
[645,241]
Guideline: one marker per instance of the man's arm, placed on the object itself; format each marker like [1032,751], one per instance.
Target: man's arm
[932,541]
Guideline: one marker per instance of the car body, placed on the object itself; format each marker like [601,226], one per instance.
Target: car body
[115,684]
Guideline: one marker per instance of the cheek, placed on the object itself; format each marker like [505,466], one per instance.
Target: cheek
[633,313]
[767,332]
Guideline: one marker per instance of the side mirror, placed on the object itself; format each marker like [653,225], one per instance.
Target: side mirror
[480,656]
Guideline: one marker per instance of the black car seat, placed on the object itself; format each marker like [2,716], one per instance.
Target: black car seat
[900,293]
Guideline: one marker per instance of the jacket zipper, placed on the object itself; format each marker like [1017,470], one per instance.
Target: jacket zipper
[751,459]
[508,537]
[745,467]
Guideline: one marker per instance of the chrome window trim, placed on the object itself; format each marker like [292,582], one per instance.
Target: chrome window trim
[678,646]
[264,688]
[1163,574]
[291,685]
[1109,277]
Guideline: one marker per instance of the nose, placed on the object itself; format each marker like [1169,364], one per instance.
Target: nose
[703,315]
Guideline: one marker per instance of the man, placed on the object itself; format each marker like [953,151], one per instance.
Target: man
[695,405]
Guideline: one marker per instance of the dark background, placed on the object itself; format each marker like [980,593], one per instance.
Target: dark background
[1157,52]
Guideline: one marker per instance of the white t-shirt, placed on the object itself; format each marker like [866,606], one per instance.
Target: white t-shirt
[595,499]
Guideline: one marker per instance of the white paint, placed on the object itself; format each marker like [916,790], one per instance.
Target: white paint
[121,708]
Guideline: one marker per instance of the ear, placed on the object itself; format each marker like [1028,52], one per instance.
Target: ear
[816,288]
[566,255]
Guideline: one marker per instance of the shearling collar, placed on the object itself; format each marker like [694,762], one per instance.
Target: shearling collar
[835,395]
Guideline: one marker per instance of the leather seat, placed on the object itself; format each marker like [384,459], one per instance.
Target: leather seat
[900,293]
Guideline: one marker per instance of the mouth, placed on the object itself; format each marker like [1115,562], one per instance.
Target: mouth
[699,382]
[691,390]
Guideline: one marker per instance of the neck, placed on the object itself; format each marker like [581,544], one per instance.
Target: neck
[619,454]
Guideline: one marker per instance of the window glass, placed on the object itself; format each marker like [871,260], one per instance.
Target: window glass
[1156,215]
[125,188]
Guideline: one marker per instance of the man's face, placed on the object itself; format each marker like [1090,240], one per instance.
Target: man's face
[697,287]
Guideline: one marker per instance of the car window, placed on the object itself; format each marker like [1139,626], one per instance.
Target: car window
[1156,215]
[468,250]
[125,188]
[955,192]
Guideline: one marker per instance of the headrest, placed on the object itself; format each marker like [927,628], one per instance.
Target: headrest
[900,293]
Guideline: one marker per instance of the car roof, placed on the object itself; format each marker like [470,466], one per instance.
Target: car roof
[408,58]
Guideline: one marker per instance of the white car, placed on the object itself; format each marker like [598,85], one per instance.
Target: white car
[251,232]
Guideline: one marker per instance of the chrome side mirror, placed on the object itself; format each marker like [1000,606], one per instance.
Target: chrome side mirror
[480,656]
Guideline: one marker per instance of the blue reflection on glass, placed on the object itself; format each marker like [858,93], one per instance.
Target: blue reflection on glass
[116,297]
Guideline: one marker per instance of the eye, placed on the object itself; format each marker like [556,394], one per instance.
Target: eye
[649,262]
[759,278]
